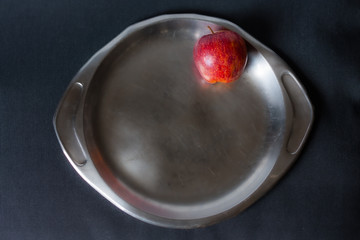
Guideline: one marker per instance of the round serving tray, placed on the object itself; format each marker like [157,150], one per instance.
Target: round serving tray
[141,127]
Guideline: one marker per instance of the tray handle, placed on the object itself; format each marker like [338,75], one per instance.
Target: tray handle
[65,125]
[302,112]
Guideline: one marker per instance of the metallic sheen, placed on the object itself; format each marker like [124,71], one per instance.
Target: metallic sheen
[142,128]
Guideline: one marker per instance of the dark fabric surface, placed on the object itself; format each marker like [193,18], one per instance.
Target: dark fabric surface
[44,43]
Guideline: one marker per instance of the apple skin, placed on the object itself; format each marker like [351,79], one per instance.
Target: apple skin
[220,56]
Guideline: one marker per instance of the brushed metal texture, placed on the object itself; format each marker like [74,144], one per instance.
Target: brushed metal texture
[140,125]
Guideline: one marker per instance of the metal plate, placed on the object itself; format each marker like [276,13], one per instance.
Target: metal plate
[140,125]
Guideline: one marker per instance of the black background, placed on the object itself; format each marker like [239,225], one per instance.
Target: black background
[43,43]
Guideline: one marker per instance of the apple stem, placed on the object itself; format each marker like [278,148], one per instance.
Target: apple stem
[211,30]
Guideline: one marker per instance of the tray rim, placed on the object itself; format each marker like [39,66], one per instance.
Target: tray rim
[83,164]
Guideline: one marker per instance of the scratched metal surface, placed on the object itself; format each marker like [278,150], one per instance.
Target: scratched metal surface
[140,125]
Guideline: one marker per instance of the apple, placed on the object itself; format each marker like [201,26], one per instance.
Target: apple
[220,56]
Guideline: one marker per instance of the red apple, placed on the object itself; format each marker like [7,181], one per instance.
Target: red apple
[220,56]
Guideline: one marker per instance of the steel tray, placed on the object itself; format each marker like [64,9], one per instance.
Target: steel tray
[142,128]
